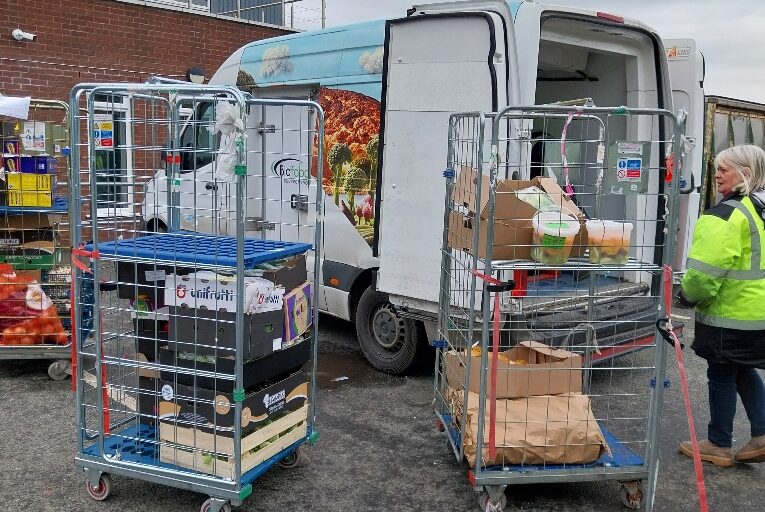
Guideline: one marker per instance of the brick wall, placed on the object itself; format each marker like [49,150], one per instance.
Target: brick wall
[108,41]
[103,40]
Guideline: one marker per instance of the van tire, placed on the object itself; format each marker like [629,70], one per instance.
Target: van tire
[389,342]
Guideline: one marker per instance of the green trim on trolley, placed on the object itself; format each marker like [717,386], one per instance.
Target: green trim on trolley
[239,395]
[313,438]
[245,492]
[240,170]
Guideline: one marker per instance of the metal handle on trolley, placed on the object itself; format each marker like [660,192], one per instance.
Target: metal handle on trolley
[211,186]
[501,287]
[661,325]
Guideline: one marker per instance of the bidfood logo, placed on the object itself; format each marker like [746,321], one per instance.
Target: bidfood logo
[290,170]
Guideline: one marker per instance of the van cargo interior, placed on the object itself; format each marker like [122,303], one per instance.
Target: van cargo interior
[612,66]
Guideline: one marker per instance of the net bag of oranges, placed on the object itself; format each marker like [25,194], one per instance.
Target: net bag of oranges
[27,315]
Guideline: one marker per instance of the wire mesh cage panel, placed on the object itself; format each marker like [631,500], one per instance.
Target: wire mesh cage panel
[558,223]
[34,235]
[199,369]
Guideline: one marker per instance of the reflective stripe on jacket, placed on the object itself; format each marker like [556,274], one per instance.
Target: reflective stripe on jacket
[726,270]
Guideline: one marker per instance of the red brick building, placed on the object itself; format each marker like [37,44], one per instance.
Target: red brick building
[113,40]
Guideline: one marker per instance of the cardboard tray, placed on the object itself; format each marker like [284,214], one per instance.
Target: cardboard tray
[213,333]
[256,371]
[213,411]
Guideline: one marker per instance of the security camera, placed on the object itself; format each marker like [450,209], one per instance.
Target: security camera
[20,35]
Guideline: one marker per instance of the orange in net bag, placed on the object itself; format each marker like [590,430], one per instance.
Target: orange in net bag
[27,315]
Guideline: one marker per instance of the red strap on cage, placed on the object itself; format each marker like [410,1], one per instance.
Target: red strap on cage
[85,254]
[700,486]
[492,366]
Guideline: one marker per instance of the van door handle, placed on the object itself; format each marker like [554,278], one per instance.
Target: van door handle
[211,186]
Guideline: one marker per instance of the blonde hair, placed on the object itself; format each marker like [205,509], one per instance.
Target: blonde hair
[742,159]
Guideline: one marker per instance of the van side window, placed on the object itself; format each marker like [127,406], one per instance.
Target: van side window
[199,145]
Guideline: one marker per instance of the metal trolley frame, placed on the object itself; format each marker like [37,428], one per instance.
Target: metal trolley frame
[58,286]
[488,304]
[197,424]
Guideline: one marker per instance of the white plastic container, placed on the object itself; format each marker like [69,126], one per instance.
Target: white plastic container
[554,234]
[609,241]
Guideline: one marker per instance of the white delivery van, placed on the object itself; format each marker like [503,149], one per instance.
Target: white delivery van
[686,70]
[388,88]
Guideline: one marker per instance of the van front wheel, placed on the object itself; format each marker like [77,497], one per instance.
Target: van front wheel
[388,341]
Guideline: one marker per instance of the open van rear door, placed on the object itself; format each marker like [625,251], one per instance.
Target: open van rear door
[435,65]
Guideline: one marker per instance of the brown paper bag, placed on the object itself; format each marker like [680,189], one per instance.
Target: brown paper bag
[557,429]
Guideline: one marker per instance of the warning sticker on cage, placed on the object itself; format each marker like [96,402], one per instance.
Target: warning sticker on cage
[630,148]
[103,132]
[629,169]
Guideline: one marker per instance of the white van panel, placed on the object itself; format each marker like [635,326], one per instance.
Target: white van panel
[415,141]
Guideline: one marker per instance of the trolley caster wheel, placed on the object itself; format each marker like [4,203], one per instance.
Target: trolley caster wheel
[59,370]
[295,459]
[102,490]
[632,495]
[207,506]
[487,505]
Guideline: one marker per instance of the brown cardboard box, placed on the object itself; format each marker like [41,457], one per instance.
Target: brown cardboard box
[549,371]
[512,219]
[559,429]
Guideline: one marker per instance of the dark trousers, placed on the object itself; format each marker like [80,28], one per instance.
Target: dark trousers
[725,380]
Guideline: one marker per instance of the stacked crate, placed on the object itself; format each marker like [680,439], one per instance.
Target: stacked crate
[190,330]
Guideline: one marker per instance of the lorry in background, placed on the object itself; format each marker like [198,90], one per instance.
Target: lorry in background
[714,123]
[388,88]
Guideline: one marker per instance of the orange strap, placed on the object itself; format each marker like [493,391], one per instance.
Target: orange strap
[700,486]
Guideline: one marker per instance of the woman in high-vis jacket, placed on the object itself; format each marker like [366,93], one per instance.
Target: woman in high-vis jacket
[725,282]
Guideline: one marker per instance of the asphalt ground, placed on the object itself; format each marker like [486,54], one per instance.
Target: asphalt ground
[379,450]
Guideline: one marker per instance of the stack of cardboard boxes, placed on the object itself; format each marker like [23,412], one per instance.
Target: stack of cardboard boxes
[31,151]
[541,415]
[190,329]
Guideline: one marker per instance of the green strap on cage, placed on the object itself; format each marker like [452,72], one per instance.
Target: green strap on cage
[313,438]
[620,111]
[240,170]
[239,395]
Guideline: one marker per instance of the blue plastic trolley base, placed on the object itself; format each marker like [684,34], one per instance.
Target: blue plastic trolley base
[621,456]
[198,248]
[139,444]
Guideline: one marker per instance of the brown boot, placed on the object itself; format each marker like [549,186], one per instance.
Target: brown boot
[753,451]
[721,457]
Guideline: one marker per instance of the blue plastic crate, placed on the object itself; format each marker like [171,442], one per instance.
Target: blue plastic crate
[199,248]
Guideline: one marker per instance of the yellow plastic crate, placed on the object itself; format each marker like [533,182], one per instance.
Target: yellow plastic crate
[25,182]
[24,198]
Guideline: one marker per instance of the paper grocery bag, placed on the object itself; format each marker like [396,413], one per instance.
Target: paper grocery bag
[557,429]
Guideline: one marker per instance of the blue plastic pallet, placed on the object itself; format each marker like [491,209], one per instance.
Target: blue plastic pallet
[199,248]
[621,456]
[139,444]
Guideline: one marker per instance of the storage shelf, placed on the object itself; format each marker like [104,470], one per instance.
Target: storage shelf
[197,249]
[581,264]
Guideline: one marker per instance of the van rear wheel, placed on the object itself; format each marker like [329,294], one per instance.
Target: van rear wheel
[389,342]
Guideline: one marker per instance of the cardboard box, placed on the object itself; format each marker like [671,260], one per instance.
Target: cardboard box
[134,279]
[196,448]
[218,293]
[10,147]
[30,199]
[255,371]
[548,371]
[298,312]
[147,399]
[512,223]
[289,273]
[11,163]
[30,182]
[213,411]
[39,165]
[32,256]
[559,429]
[213,333]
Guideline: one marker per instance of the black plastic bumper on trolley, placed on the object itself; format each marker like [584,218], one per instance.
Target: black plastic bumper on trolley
[501,287]
[663,326]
